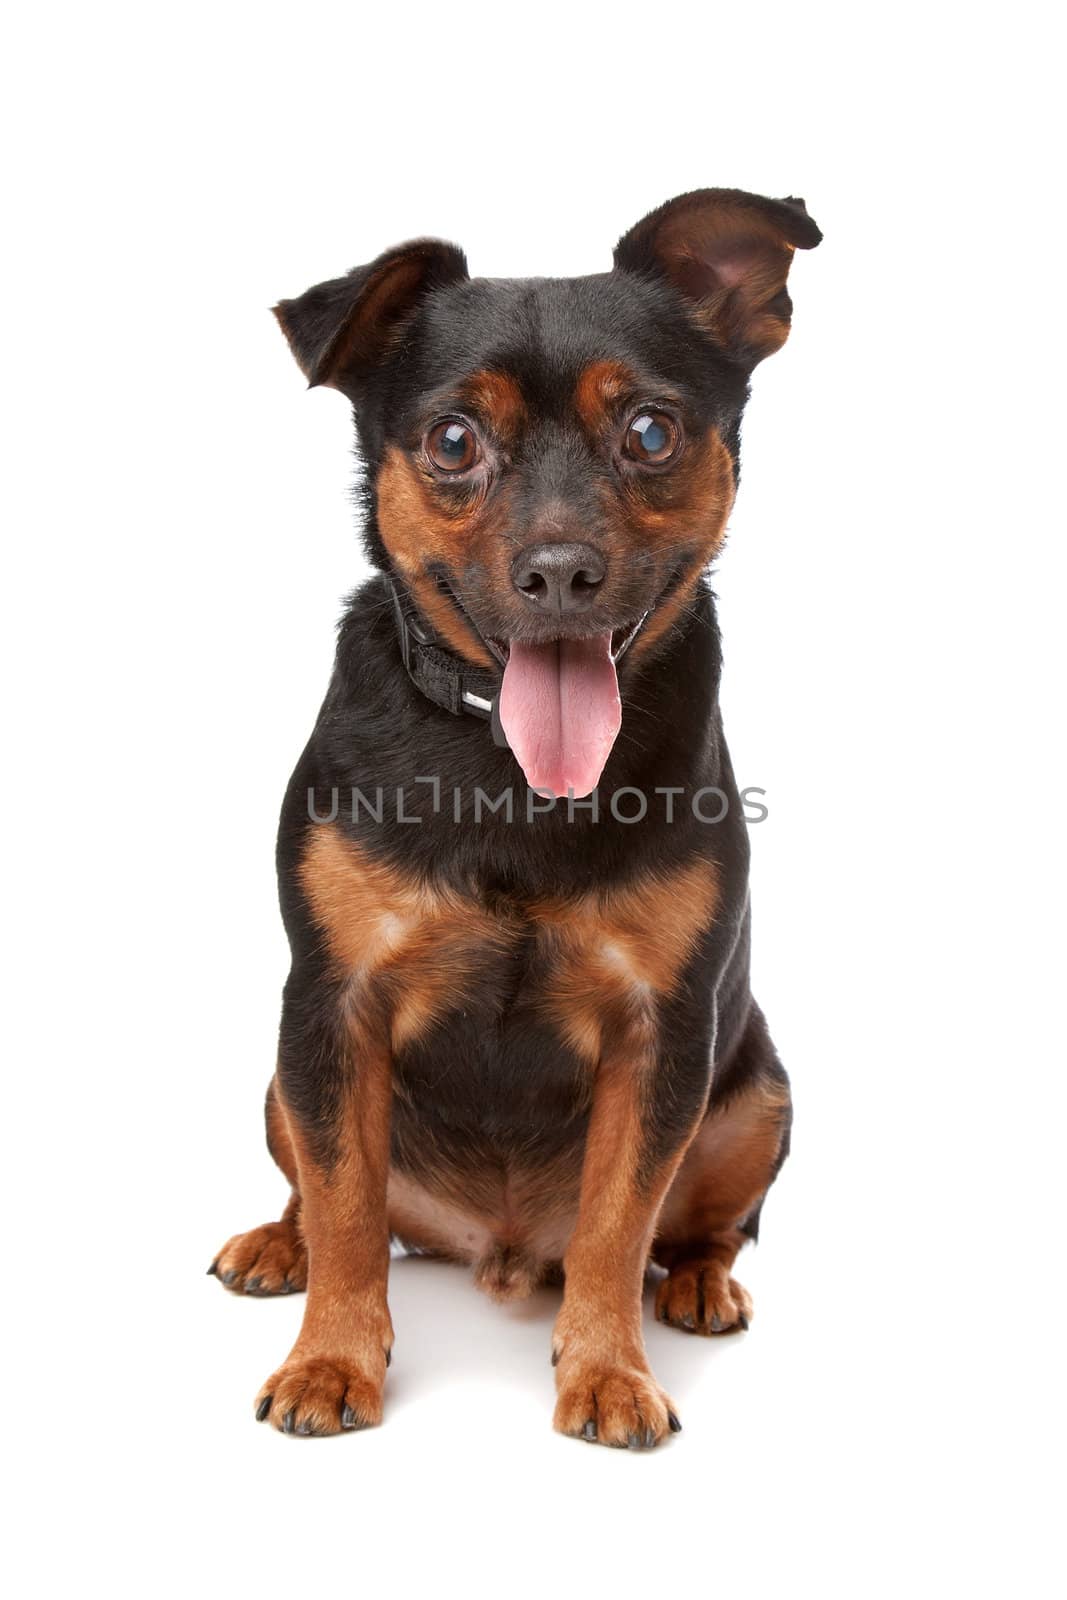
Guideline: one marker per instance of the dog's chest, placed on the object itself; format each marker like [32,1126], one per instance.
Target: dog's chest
[433,960]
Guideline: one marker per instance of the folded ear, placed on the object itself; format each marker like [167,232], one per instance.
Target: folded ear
[340,329]
[729,254]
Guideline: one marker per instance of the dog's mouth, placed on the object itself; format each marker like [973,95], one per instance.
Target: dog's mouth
[621,640]
[560,707]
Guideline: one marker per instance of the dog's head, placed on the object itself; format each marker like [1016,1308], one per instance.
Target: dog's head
[551,462]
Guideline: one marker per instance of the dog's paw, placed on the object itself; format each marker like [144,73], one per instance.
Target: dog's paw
[616,1405]
[268,1260]
[315,1395]
[701,1297]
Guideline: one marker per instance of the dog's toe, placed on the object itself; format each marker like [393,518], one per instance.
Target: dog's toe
[313,1397]
[266,1261]
[701,1297]
[620,1406]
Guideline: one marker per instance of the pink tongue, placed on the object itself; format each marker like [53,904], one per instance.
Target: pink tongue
[560,710]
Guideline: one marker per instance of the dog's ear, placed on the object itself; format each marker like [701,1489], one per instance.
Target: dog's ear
[729,254]
[339,330]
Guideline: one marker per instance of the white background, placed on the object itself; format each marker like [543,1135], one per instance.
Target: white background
[178,538]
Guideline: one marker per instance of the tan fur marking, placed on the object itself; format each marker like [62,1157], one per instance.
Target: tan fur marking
[341,1352]
[622,948]
[602,1370]
[421,941]
[728,1166]
[268,1260]
[619,952]
[497,398]
[598,391]
[279,1139]
[442,616]
[726,1172]
[695,517]
[417,530]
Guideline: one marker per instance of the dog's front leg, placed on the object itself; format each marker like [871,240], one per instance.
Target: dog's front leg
[335,1089]
[606,1390]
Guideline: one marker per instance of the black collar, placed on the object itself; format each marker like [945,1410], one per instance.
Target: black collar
[442,677]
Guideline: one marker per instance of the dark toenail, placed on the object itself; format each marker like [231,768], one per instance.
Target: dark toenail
[673,1423]
[388,1358]
[228,1278]
[688,1321]
[348,1417]
[289,1422]
[742,1321]
[634,1441]
[716,1323]
[252,1285]
[650,1439]
[214,1267]
[589,1431]
[555,1358]
[305,1429]
[263,1407]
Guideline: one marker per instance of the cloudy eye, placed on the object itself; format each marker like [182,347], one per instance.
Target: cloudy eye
[652,436]
[452,446]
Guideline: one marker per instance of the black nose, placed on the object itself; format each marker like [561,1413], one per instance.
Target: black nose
[558,577]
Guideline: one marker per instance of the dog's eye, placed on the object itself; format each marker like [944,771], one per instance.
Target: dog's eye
[452,446]
[652,436]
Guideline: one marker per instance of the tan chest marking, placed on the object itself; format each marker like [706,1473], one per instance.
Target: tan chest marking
[417,941]
[616,952]
[611,955]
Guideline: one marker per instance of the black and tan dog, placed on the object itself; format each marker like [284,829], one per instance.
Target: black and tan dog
[518,1031]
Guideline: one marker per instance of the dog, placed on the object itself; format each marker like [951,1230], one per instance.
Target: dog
[518,1030]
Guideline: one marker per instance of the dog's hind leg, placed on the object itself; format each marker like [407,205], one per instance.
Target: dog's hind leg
[271,1259]
[712,1208]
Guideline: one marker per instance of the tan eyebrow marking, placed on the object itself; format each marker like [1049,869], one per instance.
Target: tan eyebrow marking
[598,391]
[498,398]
